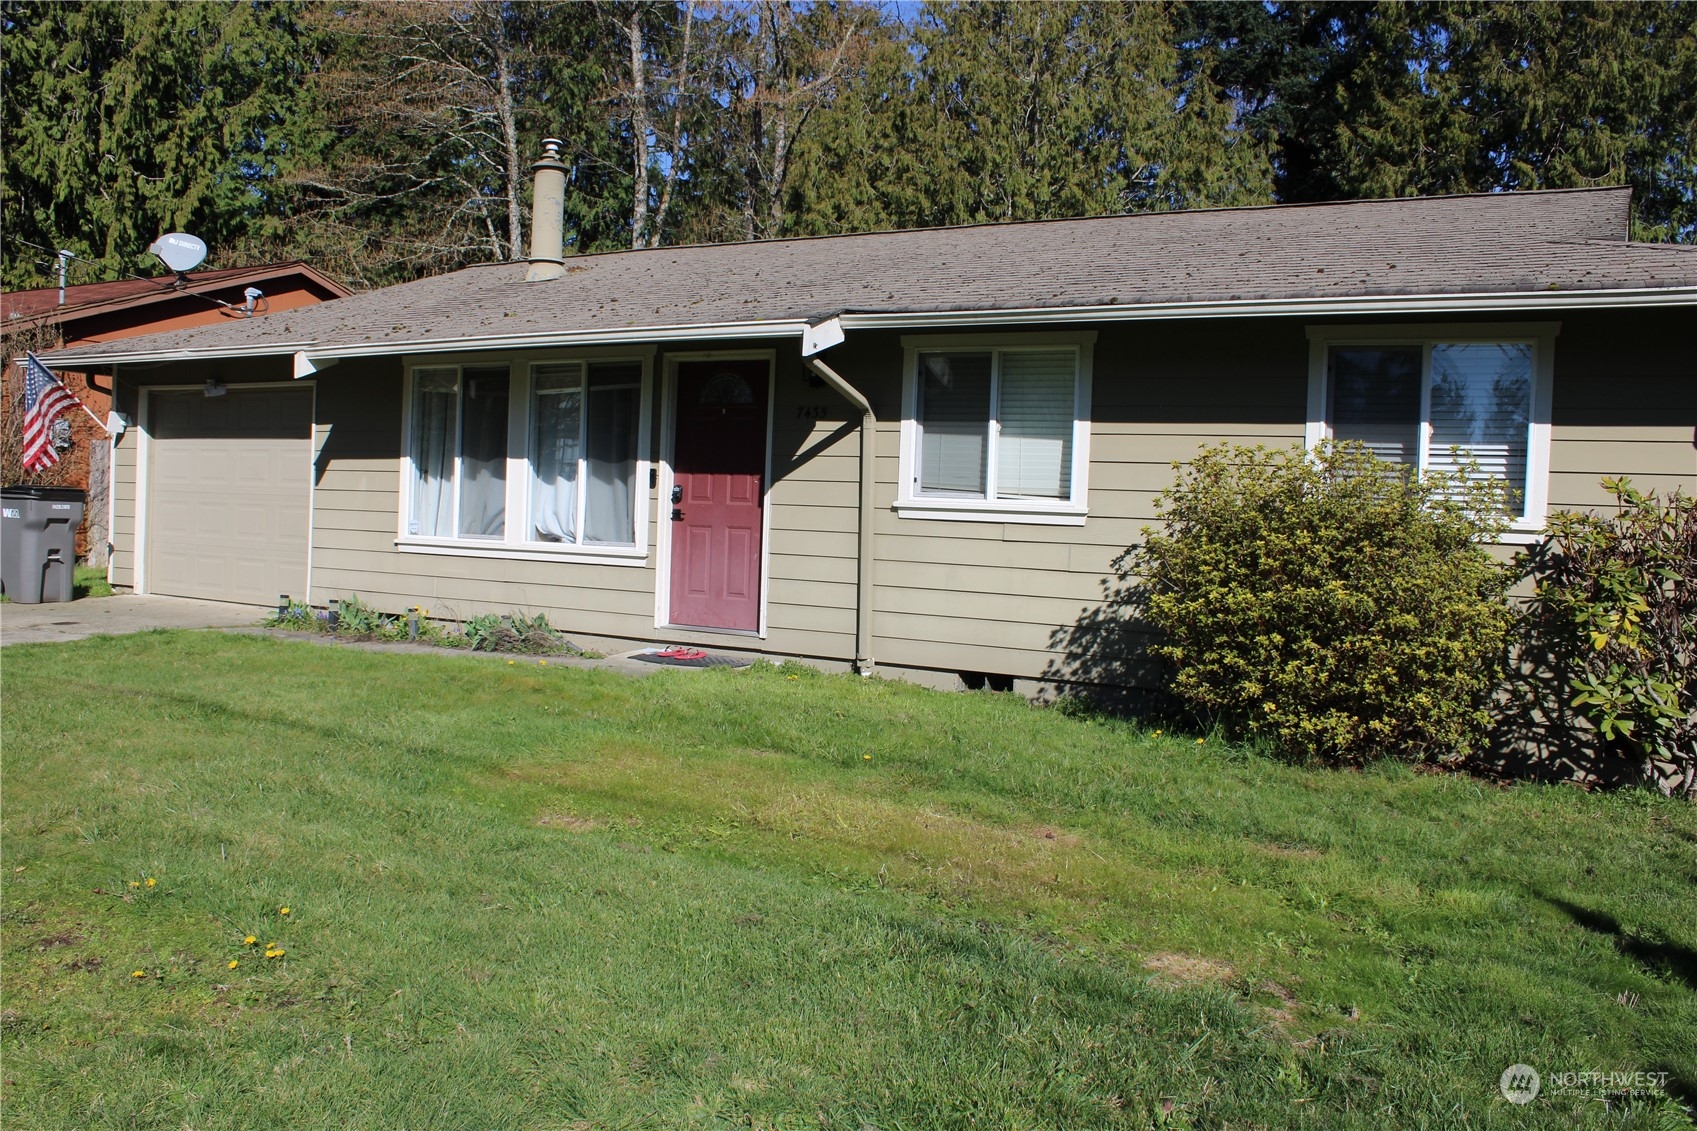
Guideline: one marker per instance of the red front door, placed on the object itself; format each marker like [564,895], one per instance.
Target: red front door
[718,467]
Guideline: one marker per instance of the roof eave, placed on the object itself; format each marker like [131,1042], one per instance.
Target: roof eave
[1285,307]
[318,355]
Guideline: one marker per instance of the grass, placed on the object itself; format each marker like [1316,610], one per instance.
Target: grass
[89,581]
[522,896]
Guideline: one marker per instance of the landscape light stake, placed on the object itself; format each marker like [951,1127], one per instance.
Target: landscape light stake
[282,605]
[335,615]
[412,624]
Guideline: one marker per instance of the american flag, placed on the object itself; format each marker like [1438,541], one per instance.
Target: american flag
[44,399]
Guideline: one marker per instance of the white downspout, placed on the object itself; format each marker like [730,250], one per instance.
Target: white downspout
[819,337]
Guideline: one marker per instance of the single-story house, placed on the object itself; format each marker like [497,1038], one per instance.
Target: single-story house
[84,313]
[920,449]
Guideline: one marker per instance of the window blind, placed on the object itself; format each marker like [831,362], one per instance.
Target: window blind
[1481,409]
[1034,448]
[954,419]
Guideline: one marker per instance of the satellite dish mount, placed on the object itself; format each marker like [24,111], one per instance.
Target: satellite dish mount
[180,252]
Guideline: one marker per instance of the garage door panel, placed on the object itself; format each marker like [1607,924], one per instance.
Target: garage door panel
[229,493]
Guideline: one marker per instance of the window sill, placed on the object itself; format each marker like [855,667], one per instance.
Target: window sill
[584,555]
[974,510]
[1520,534]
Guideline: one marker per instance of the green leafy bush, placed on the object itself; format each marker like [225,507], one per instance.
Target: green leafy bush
[1615,603]
[514,632]
[1333,605]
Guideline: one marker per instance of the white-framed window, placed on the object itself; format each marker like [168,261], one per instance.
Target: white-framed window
[1437,397]
[996,428]
[529,456]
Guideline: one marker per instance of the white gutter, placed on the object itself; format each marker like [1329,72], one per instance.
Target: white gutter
[1255,308]
[71,359]
[818,338]
[315,355]
[321,357]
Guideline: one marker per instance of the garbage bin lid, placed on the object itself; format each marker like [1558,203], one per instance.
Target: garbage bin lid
[47,494]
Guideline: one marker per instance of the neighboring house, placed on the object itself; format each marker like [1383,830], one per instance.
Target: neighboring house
[668,444]
[104,312]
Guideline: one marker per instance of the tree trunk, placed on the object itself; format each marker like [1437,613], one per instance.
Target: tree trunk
[639,127]
[515,170]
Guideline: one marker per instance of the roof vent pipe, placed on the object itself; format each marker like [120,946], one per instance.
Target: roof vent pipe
[548,215]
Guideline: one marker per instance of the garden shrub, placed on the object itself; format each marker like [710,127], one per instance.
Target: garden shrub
[1615,605]
[1330,604]
[514,632]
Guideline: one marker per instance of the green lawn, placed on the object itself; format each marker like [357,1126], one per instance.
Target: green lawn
[522,896]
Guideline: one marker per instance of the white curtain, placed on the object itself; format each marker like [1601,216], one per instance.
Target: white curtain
[483,453]
[954,422]
[1034,447]
[435,429]
[556,447]
[609,516]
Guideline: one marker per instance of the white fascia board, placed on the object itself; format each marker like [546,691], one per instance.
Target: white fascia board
[1250,308]
[71,359]
[308,356]
[725,331]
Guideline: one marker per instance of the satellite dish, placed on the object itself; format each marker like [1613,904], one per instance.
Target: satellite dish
[180,251]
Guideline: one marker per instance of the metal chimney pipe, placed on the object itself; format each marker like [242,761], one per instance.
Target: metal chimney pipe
[64,258]
[548,215]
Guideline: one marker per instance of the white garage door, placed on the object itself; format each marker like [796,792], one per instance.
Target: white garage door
[229,485]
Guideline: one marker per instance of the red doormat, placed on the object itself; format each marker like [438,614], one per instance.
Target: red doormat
[688,658]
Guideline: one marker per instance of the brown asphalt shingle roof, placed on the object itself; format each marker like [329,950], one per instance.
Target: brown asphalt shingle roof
[1508,243]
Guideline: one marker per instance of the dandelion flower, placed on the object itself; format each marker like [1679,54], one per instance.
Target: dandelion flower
[135,883]
[151,881]
[1199,742]
[1157,734]
[544,663]
[867,757]
[234,963]
[274,951]
[282,910]
[249,940]
[510,663]
[792,677]
[138,973]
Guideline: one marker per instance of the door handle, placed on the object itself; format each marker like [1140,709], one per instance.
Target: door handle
[677,514]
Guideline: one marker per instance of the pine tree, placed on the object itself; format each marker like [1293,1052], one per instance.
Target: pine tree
[126,121]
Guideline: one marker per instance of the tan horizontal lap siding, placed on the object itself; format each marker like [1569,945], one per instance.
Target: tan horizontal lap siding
[1625,403]
[356,515]
[121,566]
[811,595]
[1004,597]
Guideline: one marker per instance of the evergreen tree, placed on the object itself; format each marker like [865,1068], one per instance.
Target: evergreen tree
[1395,99]
[126,121]
[1011,111]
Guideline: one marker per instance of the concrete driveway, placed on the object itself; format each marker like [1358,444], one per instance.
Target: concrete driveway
[93,616]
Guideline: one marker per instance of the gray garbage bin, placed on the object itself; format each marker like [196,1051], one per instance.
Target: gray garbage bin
[38,542]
